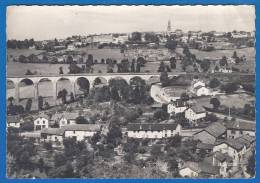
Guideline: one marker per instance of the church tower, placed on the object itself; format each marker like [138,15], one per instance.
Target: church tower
[169,27]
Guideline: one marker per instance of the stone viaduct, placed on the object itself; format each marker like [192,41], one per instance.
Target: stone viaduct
[73,78]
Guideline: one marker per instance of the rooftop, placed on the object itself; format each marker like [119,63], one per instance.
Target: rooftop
[151,126]
[198,109]
[239,125]
[216,129]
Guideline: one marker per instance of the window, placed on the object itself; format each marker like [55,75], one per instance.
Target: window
[241,132]
[74,131]
[43,122]
[38,122]
[68,122]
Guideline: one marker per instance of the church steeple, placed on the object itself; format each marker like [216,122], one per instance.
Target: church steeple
[169,27]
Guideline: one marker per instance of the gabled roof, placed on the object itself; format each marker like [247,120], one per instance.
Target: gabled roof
[197,109]
[151,126]
[248,138]
[239,125]
[206,168]
[13,119]
[66,115]
[222,157]
[201,167]
[82,127]
[52,131]
[194,166]
[42,115]
[234,143]
[215,129]
[205,146]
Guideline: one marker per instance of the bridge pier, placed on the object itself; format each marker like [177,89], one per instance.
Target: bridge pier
[54,91]
[36,92]
[16,93]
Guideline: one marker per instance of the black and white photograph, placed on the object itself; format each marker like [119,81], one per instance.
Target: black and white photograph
[130,91]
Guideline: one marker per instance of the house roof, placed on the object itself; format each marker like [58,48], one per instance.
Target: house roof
[234,143]
[239,125]
[82,127]
[248,138]
[198,109]
[157,105]
[42,115]
[222,157]
[13,119]
[205,146]
[207,168]
[66,115]
[216,129]
[52,131]
[201,167]
[194,166]
[151,126]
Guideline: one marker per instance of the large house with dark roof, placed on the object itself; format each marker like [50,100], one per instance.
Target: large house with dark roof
[153,130]
[66,118]
[238,128]
[211,133]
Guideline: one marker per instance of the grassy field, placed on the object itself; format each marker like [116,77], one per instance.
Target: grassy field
[234,100]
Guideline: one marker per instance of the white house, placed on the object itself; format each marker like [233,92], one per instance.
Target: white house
[66,118]
[176,107]
[14,121]
[81,131]
[153,130]
[52,134]
[195,113]
[42,121]
[201,91]
[71,47]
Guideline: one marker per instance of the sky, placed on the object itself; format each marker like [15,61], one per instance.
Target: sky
[49,22]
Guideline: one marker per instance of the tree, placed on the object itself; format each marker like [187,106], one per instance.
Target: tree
[136,37]
[114,135]
[22,59]
[164,79]
[215,102]
[205,65]
[223,61]
[162,67]
[40,103]
[156,151]
[72,99]
[234,56]
[214,83]
[60,70]
[173,62]
[250,168]
[28,105]
[185,97]
[81,120]
[229,88]
[63,95]
[161,115]
[171,43]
